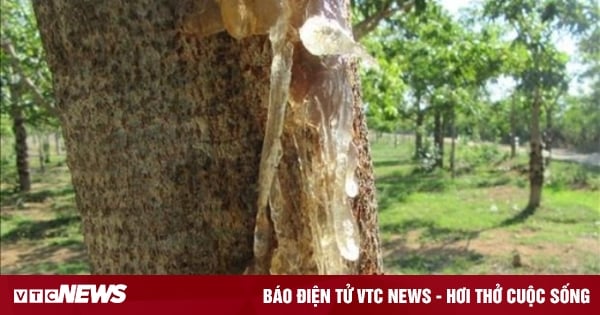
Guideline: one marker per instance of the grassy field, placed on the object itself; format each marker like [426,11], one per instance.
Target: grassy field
[40,232]
[476,223]
[430,223]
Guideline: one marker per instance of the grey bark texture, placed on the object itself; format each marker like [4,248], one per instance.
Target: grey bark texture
[163,130]
[536,160]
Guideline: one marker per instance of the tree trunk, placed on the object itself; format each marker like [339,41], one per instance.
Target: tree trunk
[536,162]
[548,136]
[419,120]
[46,147]
[20,132]
[163,130]
[453,143]
[41,152]
[438,138]
[57,142]
[513,127]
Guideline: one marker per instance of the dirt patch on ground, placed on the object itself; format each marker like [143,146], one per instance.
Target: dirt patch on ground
[33,211]
[31,258]
[501,250]
[38,240]
[505,193]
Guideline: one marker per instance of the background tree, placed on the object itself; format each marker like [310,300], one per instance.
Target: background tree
[384,89]
[535,22]
[368,14]
[25,81]
[164,128]
[433,66]
[580,120]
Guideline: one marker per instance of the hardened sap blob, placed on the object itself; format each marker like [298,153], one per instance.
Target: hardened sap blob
[243,18]
[351,185]
[345,229]
[281,66]
[351,182]
[351,249]
[323,36]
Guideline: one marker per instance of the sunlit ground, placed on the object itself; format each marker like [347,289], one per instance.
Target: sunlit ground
[430,223]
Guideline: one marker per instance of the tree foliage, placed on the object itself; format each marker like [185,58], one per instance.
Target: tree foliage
[23,65]
[580,122]
[431,64]
[370,13]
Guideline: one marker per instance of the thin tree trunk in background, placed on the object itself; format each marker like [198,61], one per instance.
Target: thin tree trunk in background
[419,135]
[536,162]
[453,143]
[57,142]
[513,126]
[20,133]
[438,138]
[419,129]
[41,157]
[548,136]
[46,147]
[41,152]
[164,144]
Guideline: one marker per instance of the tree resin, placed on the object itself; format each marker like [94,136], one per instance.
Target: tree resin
[325,34]
[322,101]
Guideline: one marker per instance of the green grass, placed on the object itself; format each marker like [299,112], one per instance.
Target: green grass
[62,268]
[430,222]
[474,223]
[40,231]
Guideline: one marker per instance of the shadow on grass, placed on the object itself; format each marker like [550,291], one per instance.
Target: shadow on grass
[388,163]
[11,196]
[396,187]
[44,247]
[519,217]
[492,182]
[430,232]
[41,196]
[7,195]
[440,248]
[432,260]
[36,230]
[61,258]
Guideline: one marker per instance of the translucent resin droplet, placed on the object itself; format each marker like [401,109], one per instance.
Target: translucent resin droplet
[323,36]
[243,18]
[268,186]
[345,228]
[351,185]
[346,236]
[351,181]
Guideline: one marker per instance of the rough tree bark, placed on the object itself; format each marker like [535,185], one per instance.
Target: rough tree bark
[536,161]
[163,130]
[18,120]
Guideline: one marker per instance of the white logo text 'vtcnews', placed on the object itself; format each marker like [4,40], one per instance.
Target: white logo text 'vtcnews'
[73,293]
